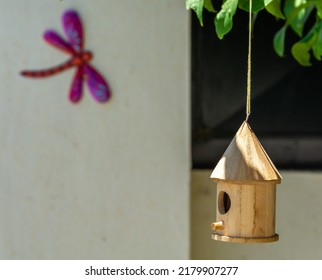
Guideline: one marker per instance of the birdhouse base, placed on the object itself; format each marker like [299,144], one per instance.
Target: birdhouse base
[245,239]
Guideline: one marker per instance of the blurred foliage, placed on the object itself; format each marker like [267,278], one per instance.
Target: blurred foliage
[303,17]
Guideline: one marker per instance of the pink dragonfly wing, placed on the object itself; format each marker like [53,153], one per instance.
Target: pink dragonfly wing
[55,40]
[73,29]
[76,89]
[97,85]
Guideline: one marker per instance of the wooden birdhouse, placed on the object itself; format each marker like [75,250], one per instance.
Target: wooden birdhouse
[246,190]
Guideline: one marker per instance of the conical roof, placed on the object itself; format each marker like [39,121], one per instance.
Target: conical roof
[245,160]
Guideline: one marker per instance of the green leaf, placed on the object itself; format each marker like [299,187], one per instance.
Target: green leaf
[274,8]
[319,8]
[208,6]
[197,6]
[279,41]
[317,47]
[300,52]
[224,19]
[301,49]
[297,12]
[257,5]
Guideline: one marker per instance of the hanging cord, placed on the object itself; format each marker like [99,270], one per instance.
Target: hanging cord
[249,62]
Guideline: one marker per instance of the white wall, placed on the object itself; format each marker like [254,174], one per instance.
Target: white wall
[298,220]
[93,181]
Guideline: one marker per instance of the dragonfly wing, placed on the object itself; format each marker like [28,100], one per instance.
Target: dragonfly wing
[73,29]
[55,40]
[97,85]
[76,88]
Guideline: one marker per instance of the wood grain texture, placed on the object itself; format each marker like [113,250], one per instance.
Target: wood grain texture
[246,161]
[251,213]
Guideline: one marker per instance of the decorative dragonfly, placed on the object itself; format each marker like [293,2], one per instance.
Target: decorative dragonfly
[97,85]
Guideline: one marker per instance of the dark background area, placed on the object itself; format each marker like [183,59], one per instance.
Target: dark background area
[286,97]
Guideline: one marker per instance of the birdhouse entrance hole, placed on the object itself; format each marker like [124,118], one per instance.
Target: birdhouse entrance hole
[223,202]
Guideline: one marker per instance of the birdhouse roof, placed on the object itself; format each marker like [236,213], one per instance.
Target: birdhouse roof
[245,160]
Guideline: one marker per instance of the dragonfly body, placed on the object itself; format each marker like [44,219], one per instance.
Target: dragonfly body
[77,60]
[80,58]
